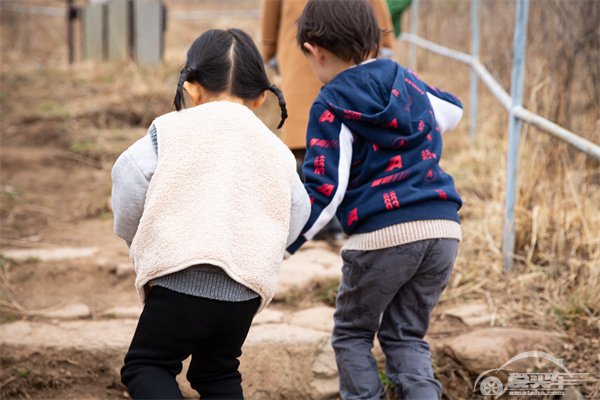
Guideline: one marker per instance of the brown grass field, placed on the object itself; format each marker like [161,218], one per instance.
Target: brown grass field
[63,126]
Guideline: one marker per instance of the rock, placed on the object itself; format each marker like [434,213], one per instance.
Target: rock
[572,394]
[318,318]
[317,255]
[268,316]
[316,244]
[55,254]
[471,314]
[325,366]
[325,384]
[86,348]
[105,262]
[488,348]
[326,388]
[69,335]
[72,311]
[306,266]
[283,361]
[122,312]
[184,385]
[279,361]
[124,269]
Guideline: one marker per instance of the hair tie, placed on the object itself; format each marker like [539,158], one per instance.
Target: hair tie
[186,71]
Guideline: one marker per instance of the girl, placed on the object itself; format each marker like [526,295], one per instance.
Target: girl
[207,202]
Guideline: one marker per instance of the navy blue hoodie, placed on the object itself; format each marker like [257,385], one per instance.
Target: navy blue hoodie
[374,143]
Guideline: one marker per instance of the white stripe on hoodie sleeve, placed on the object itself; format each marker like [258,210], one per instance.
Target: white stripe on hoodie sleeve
[446,114]
[343,176]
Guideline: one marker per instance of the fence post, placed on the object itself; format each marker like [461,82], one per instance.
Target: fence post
[93,32]
[514,131]
[474,79]
[148,30]
[118,30]
[414,22]
[71,15]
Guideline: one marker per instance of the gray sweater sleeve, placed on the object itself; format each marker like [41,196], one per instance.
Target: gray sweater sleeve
[131,176]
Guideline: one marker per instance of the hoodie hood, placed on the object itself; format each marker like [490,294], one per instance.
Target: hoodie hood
[374,142]
[377,101]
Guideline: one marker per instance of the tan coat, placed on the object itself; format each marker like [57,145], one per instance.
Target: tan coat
[300,87]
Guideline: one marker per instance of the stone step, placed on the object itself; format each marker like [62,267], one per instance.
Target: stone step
[280,359]
[286,355]
[313,263]
[49,254]
[487,348]
[309,265]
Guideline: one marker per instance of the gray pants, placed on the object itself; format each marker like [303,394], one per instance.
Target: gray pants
[392,292]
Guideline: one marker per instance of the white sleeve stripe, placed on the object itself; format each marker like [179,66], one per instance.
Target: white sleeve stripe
[446,114]
[346,140]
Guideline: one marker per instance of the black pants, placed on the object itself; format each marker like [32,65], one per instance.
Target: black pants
[174,325]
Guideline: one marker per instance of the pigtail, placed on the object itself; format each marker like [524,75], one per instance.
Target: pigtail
[227,61]
[282,105]
[179,100]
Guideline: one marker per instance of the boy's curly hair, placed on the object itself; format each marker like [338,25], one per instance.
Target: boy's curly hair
[348,28]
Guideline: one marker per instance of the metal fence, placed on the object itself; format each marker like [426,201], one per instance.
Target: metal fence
[512,103]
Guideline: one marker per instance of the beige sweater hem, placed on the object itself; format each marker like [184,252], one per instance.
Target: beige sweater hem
[403,233]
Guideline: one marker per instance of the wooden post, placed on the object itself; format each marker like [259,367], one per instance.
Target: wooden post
[148,22]
[71,16]
[118,30]
[93,32]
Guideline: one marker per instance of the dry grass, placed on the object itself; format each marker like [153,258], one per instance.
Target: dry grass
[554,284]
[557,214]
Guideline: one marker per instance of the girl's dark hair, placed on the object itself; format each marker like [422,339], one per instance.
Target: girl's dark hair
[227,60]
[348,29]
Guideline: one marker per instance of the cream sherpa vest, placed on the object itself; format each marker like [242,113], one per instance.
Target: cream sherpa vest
[220,195]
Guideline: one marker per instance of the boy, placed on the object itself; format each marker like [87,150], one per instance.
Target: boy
[373,148]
